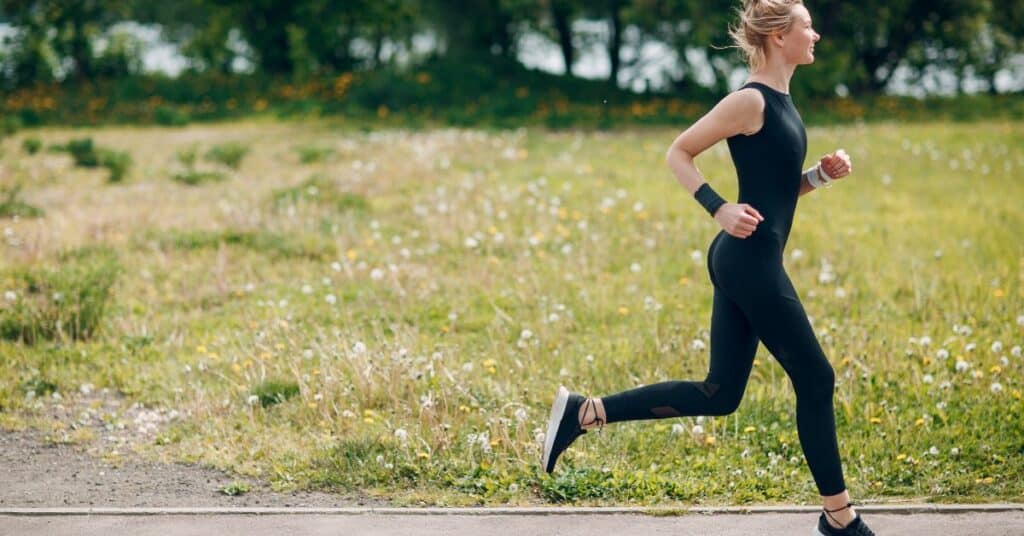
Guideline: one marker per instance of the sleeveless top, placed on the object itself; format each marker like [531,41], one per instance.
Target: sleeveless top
[769,164]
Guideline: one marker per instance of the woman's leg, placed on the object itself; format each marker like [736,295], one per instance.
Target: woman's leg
[782,325]
[733,345]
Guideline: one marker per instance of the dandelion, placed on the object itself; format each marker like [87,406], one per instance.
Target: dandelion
[997,347]
[471,242]
[253,400]
[1015,351]
[401,434]
[840,292]
[525,334]
[925,340]
[796,254]
[513,487]
[10,295]
[521,415]
[946,384]
[942,354]
[377,274]
[635,267]
[331,299]
[1020,320]
[696,255]
[697,345]
[359,348]
[678,429]
[996,387]
[306,289]
[697,430]
[955,451]
[336,266]
[927,378]
[962,365]
[934,451]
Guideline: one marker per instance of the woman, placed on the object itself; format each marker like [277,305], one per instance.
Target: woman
[753,296]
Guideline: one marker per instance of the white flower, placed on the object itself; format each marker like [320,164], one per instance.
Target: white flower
[336,266]
[942,354]
[467,366]
[359,348]
[331,299]
[401,434]
[997,347]
[797,254]
[945,384]
[57,296]
[954,451]
[427,401]
[538,436]
[840,292]
[927,378]
[697,429]
[635,267]
[348,414]
[377,274]
[696,255]
[553,317]
[85,388]
[521,415]
[253,400]
[306,289]
[934,451]
[471,242]
[925,340]
[525,334]
[11,295]
[307,353]
[1015,351]
[996,387]
[513,487]
[678,429]
[970,347]
[1020,320]
[962,365]
[589,358]
[697,345]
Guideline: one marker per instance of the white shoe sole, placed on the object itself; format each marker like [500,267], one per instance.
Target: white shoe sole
[557,412]
[817,532]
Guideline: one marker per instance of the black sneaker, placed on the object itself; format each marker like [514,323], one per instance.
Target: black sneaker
[563,426]
[857,527]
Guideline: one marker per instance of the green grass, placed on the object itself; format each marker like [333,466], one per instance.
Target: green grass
[408,309]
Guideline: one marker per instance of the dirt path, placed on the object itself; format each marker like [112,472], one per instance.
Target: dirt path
[36,473]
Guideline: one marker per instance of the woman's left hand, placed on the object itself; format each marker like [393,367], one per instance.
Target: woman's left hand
[836,164]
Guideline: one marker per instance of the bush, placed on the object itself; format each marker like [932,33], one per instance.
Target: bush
[273,392]
[319,190]
[31,145]
[170,116]
[11,207]
[88,155]
[194,177]
[9,125]
[309,154]
[229,154]
[67,301]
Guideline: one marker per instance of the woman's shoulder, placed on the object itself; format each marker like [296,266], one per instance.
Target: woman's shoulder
[746,105]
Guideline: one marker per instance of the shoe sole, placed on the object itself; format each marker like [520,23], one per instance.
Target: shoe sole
[557,412]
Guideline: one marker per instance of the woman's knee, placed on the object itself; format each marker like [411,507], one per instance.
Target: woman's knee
[818,381]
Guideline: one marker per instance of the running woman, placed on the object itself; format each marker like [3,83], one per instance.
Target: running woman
[753,296]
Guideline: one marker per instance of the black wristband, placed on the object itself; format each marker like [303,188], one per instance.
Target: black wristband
[709,198]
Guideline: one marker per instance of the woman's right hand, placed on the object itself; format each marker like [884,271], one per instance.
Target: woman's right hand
[738,219]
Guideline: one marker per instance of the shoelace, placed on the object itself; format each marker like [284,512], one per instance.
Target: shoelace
[590,404]
[829,514]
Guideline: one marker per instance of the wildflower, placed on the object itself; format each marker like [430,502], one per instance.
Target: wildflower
[696,255]
[253,400]
[306,289]
[521,415]
[331,299]
[997,347]
[525,334]
[513,487]
[10,295]
[927,378]
[1015,351]
[1020,320]
[678,429]
[797,254]
[945,384]
[359,348]
[955,451]
[336,266]
[840,292]
[962,365]
[401,434]
[697,345]
[377,274]
[970,347]
[635,267]
[996,387]
[709,440]
[697,430]
[934,451]
[471,242]
[925,341]
[942,354]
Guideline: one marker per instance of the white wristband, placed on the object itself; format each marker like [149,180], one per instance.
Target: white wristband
[812,177]
[825,179]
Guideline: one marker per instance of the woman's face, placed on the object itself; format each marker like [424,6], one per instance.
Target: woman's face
[798,44]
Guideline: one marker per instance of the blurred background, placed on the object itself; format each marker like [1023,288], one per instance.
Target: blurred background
[504,62]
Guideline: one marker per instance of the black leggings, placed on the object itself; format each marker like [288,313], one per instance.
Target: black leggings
[753,299]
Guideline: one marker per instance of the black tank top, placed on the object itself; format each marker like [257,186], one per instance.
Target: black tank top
[769,164]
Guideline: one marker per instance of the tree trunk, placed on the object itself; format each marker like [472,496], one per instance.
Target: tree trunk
[561,14]
[615,40]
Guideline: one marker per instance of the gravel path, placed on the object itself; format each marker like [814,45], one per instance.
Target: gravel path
[36,473]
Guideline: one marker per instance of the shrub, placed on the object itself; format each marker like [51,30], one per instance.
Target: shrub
[31,145]
[309,154]
[194,177]
[11,207]
[87,155]
[273,392]
[170,116]
[70,300]
[229,154]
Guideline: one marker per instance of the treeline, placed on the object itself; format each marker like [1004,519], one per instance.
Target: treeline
[863,42]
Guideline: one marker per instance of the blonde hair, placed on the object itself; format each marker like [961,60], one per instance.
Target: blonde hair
[758,20]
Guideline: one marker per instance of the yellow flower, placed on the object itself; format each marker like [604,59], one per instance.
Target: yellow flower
[919,422]
[901,457]
[423,455]
[749,429]
[623,311]
[875,420]
[709,440]
[998,293]
[201,349]
[684,280]
[996,369]
[351,254]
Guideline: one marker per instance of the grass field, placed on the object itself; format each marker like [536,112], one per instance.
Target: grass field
[393,310]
